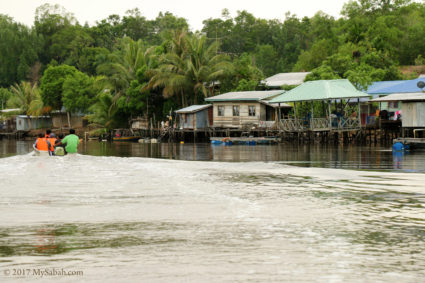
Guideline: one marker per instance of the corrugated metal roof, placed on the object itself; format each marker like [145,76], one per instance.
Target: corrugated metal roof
[33,117]
[245,95]
[275,105]
[320,90]
[285,79]
[376,86]
[193,108]
[389,87]
[10,110]
[415,96]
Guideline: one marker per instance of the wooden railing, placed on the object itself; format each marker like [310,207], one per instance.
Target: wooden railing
[267,124]
[317,124]
[291,125]
[348,123]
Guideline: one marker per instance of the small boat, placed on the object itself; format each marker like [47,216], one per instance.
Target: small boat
[132,138]
[59,151]
[39,152]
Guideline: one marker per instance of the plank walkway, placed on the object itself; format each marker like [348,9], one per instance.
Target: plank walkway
[246,140]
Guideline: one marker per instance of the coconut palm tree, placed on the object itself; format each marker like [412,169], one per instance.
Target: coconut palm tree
[103,111]
[189,68]
[27,98]
[124,65]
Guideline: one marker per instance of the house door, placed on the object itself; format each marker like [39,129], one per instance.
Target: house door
[210,116]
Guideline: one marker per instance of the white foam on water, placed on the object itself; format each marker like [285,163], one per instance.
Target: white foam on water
[158,220]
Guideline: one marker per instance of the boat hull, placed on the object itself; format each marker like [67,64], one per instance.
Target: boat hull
[131,139]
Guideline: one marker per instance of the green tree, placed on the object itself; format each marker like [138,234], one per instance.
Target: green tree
[5,94]
[135,102]
[52,84]
[136,26]
[107,32]
[243,69]
[324,72]
[78,92]
[166,23]
[220,30]
[51,20]
[313,58]
[91,58]
[103,112]
[67,44]
[244,85]
[265,59]
[363,75]
[19,47]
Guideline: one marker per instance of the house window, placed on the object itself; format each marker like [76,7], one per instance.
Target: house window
[220,110]
[393,104]
[251,110]
[235,110]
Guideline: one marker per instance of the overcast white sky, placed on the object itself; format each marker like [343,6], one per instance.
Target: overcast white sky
[195,11]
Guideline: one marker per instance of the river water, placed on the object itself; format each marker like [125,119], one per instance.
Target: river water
[274,213]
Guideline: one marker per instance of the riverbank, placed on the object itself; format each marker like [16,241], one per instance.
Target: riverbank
[371,135]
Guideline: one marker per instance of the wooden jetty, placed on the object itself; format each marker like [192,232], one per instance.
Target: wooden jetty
[245,140]
[318,130]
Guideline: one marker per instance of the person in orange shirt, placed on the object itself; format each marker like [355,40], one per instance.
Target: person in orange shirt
[46,144]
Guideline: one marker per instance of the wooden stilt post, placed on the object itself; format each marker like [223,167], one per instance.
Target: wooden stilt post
[329,115]
[279,113]
[312,115]
[359,117]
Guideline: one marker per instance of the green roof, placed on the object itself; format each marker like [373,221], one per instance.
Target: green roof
[320,90]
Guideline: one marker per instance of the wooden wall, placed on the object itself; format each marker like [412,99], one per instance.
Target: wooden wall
[413,114]
[230,121]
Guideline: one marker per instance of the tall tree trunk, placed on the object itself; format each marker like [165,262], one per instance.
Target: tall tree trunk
[195,99]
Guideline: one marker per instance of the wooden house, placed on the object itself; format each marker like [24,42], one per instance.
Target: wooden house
[195,117]
[27,123]
[412,108]
[239,109]
[139,123]
[8,119]
[61,119]
[387,88]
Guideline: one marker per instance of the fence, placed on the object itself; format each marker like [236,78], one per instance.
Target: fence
[319,124]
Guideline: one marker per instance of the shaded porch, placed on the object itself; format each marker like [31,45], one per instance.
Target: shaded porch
[326,105]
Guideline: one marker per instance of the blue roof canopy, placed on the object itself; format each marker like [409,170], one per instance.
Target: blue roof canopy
[389,87]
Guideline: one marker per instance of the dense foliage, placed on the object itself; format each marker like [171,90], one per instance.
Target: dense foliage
[125,67]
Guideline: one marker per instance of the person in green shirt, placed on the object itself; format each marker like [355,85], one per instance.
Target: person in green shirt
[71,142]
